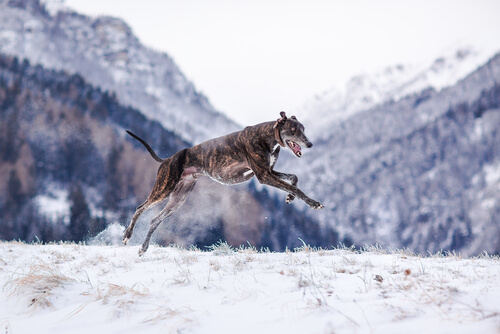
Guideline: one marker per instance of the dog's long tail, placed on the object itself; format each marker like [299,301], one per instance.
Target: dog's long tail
[150,150]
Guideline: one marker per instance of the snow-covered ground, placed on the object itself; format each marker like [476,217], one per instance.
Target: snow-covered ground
[69,288]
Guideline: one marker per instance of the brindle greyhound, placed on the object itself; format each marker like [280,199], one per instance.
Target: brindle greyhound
[231,159]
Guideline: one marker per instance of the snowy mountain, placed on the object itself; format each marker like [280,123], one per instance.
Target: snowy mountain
[419,171]
[105,51]
[365,91]
[70,171]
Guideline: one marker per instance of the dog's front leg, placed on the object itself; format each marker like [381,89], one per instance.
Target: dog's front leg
[266,176]
[288,177]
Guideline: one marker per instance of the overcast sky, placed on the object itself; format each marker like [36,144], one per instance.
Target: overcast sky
[255,58]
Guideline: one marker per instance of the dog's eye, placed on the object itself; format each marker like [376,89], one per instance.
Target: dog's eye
[294,129]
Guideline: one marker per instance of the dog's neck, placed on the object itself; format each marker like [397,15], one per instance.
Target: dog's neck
[264,133]
[277,135]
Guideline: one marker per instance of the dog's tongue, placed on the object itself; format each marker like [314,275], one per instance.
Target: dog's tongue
[297,150]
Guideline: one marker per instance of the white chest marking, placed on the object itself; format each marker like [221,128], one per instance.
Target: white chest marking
[272,160]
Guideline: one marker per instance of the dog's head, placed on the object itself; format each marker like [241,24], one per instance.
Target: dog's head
[290,133]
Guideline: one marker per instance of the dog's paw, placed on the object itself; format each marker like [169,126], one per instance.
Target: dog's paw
[141,251]
[319,206]
[316,205]
[289,198]
[126,237]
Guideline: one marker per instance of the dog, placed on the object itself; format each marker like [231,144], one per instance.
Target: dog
[231,159]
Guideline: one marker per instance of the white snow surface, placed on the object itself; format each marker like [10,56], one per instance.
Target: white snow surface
[69,288]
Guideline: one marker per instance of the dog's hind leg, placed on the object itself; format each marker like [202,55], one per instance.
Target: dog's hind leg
[139,211]
[177,198]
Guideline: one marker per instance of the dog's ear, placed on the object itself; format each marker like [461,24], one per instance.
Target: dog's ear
[293,117]
[282,119]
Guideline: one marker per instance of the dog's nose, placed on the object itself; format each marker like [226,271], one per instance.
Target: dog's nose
[309,144]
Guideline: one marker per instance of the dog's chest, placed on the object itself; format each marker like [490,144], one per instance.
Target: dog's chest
[273,157]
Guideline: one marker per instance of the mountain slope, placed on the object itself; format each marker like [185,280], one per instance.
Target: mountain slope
[65,156]
[366,91]
[105,51]
[421,172]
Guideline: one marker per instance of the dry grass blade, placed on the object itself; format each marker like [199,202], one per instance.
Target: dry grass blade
[119,290]
[111,290]
[38,284]
[162,313]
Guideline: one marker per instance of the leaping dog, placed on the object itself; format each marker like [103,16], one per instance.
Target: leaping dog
[231,159]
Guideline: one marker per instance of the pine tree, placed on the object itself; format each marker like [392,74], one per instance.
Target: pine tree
[113,184]
[79,214]
[11,208]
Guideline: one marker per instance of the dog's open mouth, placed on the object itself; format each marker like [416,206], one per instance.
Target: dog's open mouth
[296,149]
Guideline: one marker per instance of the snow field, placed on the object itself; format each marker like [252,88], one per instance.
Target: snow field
[69,288]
